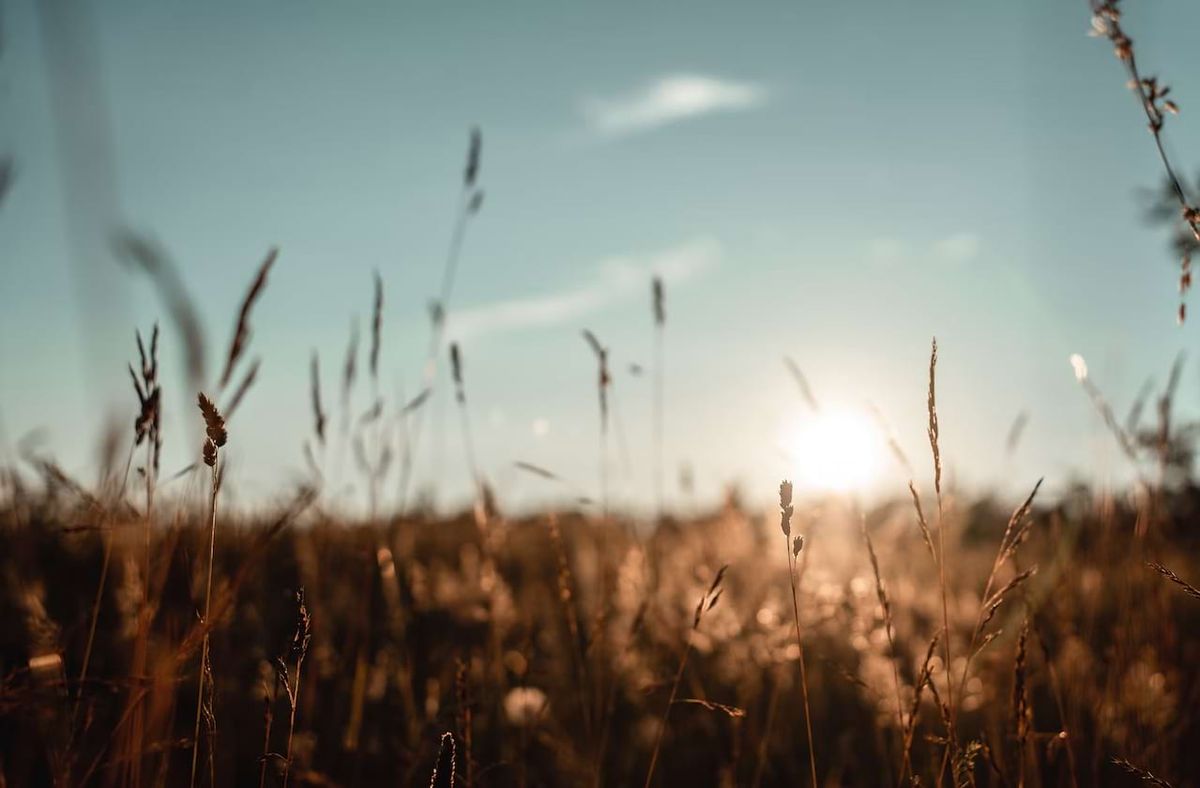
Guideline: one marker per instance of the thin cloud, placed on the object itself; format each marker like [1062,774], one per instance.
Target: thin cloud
[617,279]
[955,249]
[959,248]
[669,99]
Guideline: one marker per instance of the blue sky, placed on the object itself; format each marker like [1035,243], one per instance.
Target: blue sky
[835,182]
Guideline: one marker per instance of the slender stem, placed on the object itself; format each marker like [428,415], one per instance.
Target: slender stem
[662,729]
[975,631]
[91,638]
[604,469]
[951,726]
[455,251]
[107,535]
[945,606]
[1156,123]
[469,449]
[1062,709]
[429,372]
[287,764]
[659,374]
[760,767]
[212,547]
[149,518]
[270,718]
[812,753]
[887,624]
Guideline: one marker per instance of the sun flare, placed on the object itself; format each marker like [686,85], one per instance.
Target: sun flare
[836,450]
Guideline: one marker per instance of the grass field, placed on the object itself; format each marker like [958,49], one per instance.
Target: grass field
[547,649]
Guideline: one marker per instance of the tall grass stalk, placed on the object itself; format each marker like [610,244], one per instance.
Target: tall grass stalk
[658,301]
[299,651]
[792,548]
[470,200]
[603,382]
[934,436]
[1014,533]
[885,606]
[216,437]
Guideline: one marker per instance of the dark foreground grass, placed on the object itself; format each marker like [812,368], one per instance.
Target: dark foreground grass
[547,647]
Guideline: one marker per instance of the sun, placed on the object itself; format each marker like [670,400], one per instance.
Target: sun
[839,450]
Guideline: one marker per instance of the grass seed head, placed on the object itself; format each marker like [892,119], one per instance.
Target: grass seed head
[241,331]
[214,423]
[474,154]
[785,507]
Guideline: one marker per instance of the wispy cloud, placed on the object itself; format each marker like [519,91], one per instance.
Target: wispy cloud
[669,99]
[958,248]
[953,249]
[616,279]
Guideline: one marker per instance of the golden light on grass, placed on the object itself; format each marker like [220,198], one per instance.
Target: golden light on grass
[835,450]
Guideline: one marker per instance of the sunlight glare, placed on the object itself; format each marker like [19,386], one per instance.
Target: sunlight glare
[835,450]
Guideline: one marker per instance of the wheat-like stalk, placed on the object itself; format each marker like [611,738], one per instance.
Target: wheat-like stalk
[215,438]
[792,548]
[935,448]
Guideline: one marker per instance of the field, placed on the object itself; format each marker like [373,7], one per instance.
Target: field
[565,649]
[157,630]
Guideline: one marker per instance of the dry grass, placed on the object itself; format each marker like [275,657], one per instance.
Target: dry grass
[1152,96]
[558,616]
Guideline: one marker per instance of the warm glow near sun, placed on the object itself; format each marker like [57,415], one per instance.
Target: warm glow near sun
[839,450]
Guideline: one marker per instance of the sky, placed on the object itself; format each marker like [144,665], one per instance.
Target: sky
[833,182]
